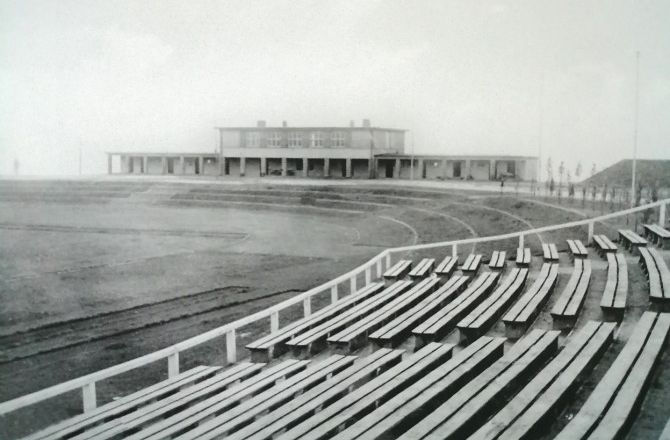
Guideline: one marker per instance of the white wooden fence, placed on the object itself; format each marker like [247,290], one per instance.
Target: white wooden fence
[378,264]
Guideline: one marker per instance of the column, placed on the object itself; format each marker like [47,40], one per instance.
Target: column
[145,165]
[243,166]
[420,169]
[444,169]
[201,164]
[492,169]
[305,163]
[371,164]
[164,165]
[348,167]
[109,164]
[326,167]
[283,166]
[468,169]
[222,165]
[396,169]
[264,166]
[182,164]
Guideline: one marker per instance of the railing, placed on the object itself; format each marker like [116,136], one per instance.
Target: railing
[378,263]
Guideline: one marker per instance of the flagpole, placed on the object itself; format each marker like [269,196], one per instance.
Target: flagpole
[637,105]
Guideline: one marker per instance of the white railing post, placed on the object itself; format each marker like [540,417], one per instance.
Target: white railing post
[231,347]
[333,294]
[388,260]
[661,216]
[173,364]
[379,268]
[521,241]
[589,240]
[454,250]
[89,397]
[307,306]
[352,284]
[274,322]
[368,275]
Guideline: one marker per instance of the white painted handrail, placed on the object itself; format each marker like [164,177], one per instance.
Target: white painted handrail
[87,383]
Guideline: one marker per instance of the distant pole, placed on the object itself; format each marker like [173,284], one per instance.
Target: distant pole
[540,130]
[411,163]
[637,105]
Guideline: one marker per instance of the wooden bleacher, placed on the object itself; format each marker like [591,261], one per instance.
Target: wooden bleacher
[603,245]
[355,334]
[631,241]
[401,411]
[524,311]
[549,252]
[398,271]
[570,302]
[658,275]
[608,411]
[657,235]
[528,414]
[497,260]
[466,410]
[577,249]
[314,339]
[423,269]
[272,345]
[471,264]
[446,266]
[394,332]
[485,315]
[523,257]
[440,323]
[613,302]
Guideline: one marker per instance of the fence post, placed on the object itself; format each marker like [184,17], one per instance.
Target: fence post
[352,284]
[521,241]
[274,322]
[231,347]
[89,397]
[307,306]
[368,275]
[661,216]
[379,268]
[388,260]
[173,364]
[454,250]
[333,293]
[589,240]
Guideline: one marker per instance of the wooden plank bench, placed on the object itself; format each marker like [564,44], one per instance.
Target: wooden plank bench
[468,409]
[549,252]
[395,415]
[398,271]
[525,416]
[665,435]
[446,266]
[272,345]
[471,265]
[484,316]
[658,276]
[577,249]
[603,245]
[361,401]
[523,257]
[570,302]
[610,408]
[119,407]
[245,412]
[225,400]
[444,320]
[300,407]
[613,302]
[394,332]
[423,269]
[657,235]
[497,260]
[631,241]
[314,339]
[118,427]
[523,313]
[355,335]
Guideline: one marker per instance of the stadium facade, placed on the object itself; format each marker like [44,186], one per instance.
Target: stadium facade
[338,152]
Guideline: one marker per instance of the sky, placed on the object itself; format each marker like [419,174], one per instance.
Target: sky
[464,77]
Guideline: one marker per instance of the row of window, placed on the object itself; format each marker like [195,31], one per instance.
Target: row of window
[295,139]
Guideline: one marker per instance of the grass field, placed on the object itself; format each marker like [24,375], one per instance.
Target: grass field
[96,273]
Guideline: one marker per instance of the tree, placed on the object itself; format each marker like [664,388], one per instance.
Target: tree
[551,186]
[550,170]
[578,170]
[593,169]
[561,171]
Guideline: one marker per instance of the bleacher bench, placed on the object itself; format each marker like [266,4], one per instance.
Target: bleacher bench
[631,241]
[603,244]
[528,414]
[446,266]
[484,316]
[549,252]
[423,269]
[609,410]
[657,235]
[471,265]
[523,313]
[577,249]
[570,302]
[272,345]
[439,324]
[613,302]
[430,391]
[466,410]
[658,275]
[497,260]
[523,257]
[398,271]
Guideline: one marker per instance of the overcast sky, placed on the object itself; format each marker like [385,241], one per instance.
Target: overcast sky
[463,76]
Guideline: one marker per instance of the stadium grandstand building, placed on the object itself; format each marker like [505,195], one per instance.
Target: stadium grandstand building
[340,152]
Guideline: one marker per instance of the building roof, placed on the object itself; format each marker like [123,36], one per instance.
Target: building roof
[453,156]
[254,128]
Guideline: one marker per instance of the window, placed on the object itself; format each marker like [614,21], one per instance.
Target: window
[274,140]
[253,139]
[295,139]
[337,139]
[316,139]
